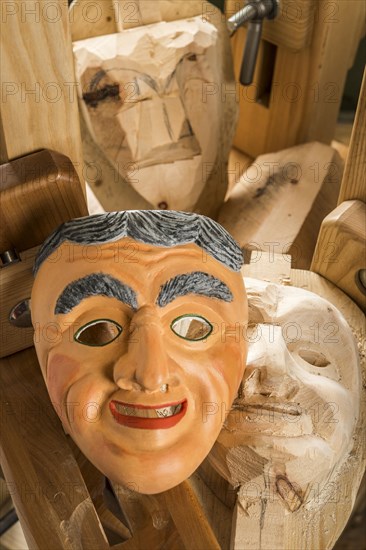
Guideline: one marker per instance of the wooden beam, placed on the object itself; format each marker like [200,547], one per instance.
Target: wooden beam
[39,106]
[353,182]
[189,518]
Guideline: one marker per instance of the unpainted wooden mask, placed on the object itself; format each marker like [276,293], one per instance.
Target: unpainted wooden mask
[151,100]
[295,419]
[139,323]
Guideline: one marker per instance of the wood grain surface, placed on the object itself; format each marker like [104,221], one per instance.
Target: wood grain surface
[39,101]
[43,477]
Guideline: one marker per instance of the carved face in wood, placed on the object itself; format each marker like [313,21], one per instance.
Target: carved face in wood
[300,400]
[137,340]
[151,102]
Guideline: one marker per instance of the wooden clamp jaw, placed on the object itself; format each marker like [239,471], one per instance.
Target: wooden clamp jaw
[38,193]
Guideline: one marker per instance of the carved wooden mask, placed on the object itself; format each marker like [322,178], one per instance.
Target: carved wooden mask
[154,101]
[294,423]
[138,321]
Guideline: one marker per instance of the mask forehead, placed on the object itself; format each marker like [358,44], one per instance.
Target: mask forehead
[142,266]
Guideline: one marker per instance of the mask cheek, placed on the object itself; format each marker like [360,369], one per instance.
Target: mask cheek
[61,373]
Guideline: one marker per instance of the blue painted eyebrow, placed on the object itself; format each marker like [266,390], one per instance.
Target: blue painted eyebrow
[196,282]
[96,284]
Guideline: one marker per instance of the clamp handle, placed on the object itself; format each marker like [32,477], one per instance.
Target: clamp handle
[253,12]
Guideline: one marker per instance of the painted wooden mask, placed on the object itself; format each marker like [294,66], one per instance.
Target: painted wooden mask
[138,319]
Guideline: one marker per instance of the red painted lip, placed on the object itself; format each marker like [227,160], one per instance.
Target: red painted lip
[148,423]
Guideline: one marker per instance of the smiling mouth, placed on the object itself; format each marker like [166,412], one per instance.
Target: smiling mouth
[148,417]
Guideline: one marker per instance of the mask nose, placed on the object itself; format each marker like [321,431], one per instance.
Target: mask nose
[268,369]
[145,365]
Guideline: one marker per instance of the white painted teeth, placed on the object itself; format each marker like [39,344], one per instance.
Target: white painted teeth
[163,412]
[168,411]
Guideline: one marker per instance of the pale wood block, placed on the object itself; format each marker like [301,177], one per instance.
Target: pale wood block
[354,177]
[44,480]
[238,163]
[93,18]
[340,250]
[279,202]
[269,266]
[341,149]
[39,101]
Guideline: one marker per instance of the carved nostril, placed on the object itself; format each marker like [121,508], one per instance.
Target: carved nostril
[258,383]
[252,384]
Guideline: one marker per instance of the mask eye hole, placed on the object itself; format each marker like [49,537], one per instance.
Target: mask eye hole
[314,358]
[191,327]
[100,332]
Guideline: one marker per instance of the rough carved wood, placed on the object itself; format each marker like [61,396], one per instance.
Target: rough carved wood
[278,203]
[183,99]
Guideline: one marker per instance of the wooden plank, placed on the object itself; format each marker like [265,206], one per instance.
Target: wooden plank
[92,18]
[337,32]
[280,201]
[39,102]
[354,177]
[292,27]
[43,477]
[340,251]
[189,518]
[148,519]
[130,14]
[217,498]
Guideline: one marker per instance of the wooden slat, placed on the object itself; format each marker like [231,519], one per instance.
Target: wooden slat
[39,101]
[189,518]
[354,177]
[43,477]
